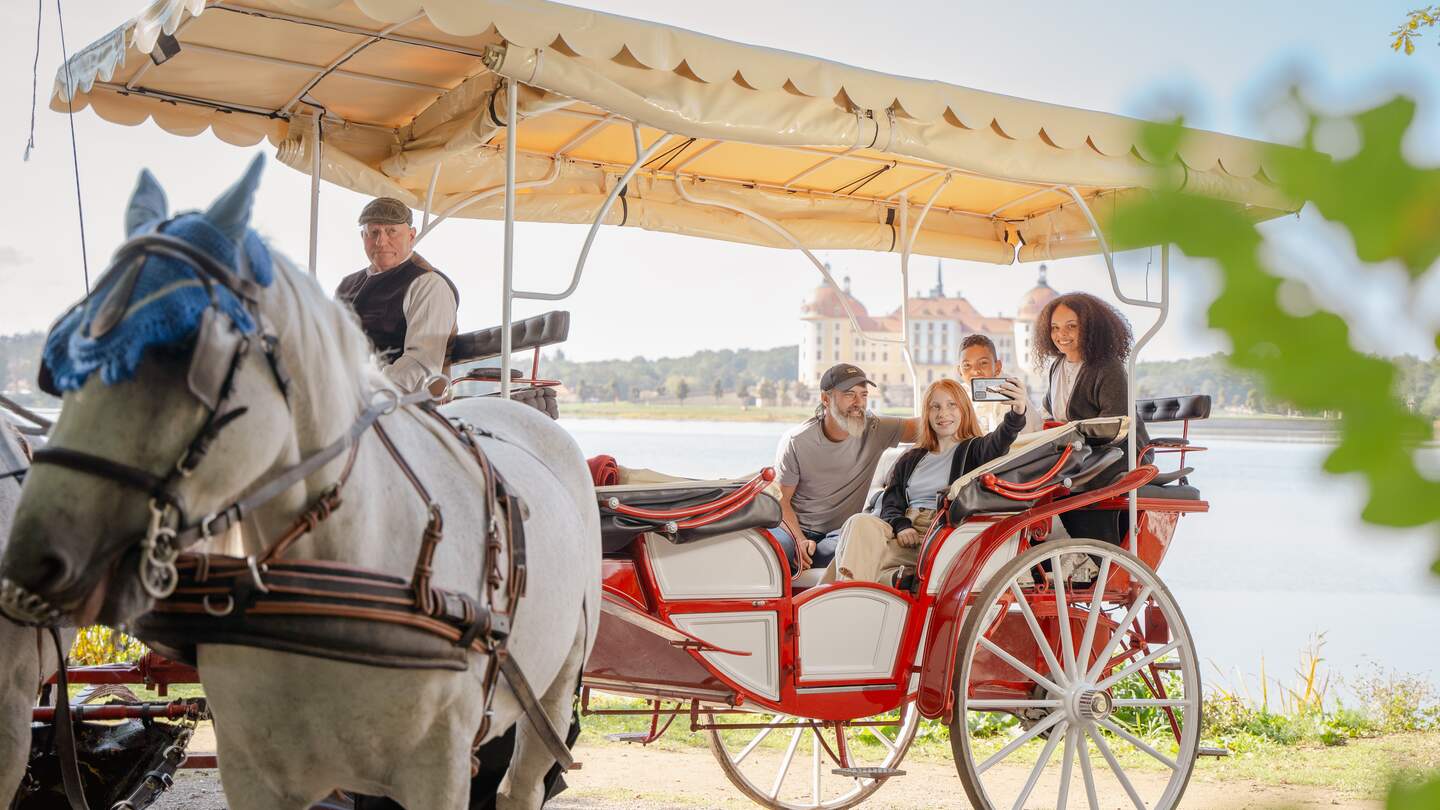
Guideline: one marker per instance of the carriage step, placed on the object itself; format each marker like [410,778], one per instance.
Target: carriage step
[878,774]
[629,737]
[1167,666]
[1207,751]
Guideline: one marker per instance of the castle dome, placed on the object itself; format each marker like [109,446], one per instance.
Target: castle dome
[1035,300]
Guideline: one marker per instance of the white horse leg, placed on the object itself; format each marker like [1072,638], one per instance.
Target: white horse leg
[524,787]
[249,785]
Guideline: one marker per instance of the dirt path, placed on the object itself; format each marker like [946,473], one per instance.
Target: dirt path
[620,777]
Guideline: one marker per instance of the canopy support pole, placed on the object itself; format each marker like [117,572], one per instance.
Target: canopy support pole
[1163,308]
[907,244]
[507,273]
[430,197]
[315,147]
[785,234]
[641,156]
[455,208]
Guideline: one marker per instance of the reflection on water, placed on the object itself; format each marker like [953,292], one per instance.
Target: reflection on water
[1281,556]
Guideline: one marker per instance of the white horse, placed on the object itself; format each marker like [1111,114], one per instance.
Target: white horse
[29,654]
[291,728]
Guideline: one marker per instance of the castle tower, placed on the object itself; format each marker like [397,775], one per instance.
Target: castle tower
[1031,305]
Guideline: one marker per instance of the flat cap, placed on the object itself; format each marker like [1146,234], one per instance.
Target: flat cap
[843,377]
[386,211]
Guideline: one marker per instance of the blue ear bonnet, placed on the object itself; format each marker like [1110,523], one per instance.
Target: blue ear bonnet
[164,310]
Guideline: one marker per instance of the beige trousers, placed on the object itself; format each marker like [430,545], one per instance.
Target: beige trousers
[869,551]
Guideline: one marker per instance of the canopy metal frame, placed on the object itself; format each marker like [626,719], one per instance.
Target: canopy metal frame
[899,198]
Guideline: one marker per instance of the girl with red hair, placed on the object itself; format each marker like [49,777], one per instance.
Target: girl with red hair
[882,546]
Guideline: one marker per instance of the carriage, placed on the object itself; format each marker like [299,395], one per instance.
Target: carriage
[1025,642]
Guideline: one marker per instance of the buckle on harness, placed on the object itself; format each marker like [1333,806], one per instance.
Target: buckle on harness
[255,569]
[206,534]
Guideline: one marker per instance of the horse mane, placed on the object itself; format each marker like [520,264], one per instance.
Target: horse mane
[321,338]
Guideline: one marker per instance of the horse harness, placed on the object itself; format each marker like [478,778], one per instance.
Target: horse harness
[312,607]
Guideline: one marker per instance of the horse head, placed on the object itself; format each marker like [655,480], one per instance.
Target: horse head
[174,402]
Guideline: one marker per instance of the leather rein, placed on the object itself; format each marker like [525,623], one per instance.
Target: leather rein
[301,590]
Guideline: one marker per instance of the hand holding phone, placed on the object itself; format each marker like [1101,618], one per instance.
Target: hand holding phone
[987,389]
[1000,389]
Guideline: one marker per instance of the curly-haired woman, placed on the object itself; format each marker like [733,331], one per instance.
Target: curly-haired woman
[1081,342]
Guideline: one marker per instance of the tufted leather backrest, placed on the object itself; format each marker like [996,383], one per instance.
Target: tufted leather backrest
[1173,409]
[531,333]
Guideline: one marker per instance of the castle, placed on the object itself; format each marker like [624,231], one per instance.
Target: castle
[937,325]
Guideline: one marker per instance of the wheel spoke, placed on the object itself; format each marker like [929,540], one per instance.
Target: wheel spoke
[1040,640]
[1002,705]
[1063,797]
[1119,634]
[1153,703]
[815,768]
[1087,771]
[1040,764]
[880,735]
[1135,666]
[1139,743]
[1034,731]
[764,732]
[1096,600]
[785,762]
[1017,664]
[1062,615]
[1116,769]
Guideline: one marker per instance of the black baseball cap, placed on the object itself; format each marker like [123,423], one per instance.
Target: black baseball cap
[843,377]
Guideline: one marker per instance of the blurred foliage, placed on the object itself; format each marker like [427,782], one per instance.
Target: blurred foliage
[97,644]
[1390,208]
[1409,31]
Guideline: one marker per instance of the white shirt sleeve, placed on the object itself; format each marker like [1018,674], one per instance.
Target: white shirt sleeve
[430,321]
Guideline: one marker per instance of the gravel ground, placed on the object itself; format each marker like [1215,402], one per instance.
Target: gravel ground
[619,777]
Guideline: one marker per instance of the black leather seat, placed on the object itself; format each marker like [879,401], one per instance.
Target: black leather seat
[618,531]
[531,333]
[1173,409]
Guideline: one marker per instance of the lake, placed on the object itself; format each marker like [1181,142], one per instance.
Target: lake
[1281,559]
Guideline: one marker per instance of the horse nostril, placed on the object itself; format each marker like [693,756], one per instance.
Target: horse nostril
[45,573]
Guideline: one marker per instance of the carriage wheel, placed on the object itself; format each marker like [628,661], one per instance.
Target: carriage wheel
[1116,723]
[788,763]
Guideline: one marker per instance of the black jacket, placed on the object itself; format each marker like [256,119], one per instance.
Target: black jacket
[969,454]
[1100,390]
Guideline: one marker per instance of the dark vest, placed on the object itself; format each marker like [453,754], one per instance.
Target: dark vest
[379,300]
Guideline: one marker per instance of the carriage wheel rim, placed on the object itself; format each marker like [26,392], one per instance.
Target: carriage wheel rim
[1077,701]
[769,790]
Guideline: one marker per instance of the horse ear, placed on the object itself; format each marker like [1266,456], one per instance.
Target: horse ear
[147,203]
[230,213]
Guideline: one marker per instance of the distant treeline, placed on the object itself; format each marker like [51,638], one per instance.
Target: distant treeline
[20,366]
[770,374]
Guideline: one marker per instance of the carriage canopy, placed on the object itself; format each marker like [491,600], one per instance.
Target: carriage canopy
[411,99]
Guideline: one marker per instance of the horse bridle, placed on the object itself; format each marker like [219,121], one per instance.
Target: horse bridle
[170,530]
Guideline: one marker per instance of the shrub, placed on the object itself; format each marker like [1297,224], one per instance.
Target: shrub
[98,644]
[1397,702]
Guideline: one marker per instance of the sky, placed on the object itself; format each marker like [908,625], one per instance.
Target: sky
[662,295]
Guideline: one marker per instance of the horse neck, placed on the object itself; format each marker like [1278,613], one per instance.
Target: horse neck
[331,377]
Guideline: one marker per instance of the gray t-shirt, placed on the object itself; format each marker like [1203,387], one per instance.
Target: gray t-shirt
[831,478]
[930,476]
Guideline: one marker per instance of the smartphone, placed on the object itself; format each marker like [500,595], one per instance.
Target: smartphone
[980,389]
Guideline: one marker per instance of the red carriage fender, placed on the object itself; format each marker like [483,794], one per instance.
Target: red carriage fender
[938,667]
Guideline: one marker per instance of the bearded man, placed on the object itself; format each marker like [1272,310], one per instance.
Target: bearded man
[824,466]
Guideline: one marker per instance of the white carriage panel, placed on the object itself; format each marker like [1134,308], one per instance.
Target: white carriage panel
[738,565]
[956,543]
[850,633]
[754,632]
